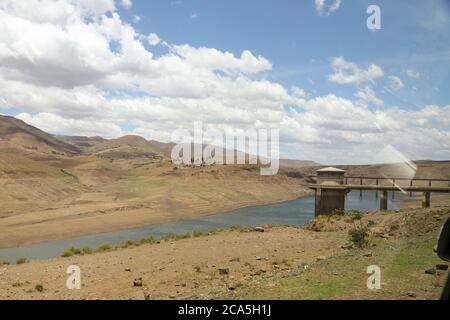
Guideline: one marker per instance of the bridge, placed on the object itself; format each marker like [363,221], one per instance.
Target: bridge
[332,186]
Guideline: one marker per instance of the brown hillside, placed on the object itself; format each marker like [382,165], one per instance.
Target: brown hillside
[17,136]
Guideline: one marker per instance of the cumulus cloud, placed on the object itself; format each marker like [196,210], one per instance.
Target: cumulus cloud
[325,8]
[126,3]
[153,39]
[367,96]
[396,83]
[346,72]
[75,67]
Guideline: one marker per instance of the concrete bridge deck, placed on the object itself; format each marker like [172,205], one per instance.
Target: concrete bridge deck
[331,191]
[398,188]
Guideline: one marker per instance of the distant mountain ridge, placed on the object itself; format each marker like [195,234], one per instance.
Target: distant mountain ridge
[18,136]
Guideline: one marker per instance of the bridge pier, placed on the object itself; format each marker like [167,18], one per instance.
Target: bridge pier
[426,200]
[329,200]
[384,201]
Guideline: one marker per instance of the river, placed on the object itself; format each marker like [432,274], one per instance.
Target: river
[294,213]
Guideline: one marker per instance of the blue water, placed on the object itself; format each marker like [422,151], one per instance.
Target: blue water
[294,213]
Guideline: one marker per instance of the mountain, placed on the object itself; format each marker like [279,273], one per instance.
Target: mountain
[18,136]
[297,163]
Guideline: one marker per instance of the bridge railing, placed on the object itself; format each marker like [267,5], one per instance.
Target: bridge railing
[395,181]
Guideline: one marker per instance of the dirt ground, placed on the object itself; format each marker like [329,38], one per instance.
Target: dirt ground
[280,263]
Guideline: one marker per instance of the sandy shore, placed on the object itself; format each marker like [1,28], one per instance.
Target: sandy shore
[248,263]
[48,225]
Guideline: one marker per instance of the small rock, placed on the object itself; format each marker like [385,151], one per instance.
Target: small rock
[259,229]
[411,294]
[431,271]
[137,282]
[128,269]
[321,258]
[224,271]
[368,254]
[258,258]
[442,267]
[276,266]
[347,246]
[234,285]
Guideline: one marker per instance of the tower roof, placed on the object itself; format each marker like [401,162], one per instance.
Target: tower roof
[330,169]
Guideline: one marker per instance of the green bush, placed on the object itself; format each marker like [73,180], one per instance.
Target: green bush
[338,212]
[148,240]
[39,287]
[103,248]
[371,223]
[86,250]
[359,236]
[197,234]
[66,254]
[21,261]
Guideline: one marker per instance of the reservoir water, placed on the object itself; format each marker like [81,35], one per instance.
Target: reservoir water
[294,213]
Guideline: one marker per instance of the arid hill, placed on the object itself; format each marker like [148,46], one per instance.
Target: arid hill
[17,136]
[56,187]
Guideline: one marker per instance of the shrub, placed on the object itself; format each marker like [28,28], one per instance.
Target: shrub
[148,240]
[129,243]
[66,254]
[103,248]
[338,212]
[357,216]
[197,234]
[39,287]
[394,227]
[86,250]
[21,261]
[359,236]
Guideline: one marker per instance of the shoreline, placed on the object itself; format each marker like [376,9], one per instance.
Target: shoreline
[189,216]
[407,203]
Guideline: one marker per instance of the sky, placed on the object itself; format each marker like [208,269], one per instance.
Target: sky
[338,92]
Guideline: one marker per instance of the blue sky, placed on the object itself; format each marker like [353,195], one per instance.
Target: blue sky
[299,42]
[337,91]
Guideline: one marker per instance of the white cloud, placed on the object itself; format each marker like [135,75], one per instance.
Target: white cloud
[54,123]
[126,3]
[299,92]
[346,72]
[325,9]
[410,72]
[137,19]
[396,83]
[368,96]
[153,39]
[75,67]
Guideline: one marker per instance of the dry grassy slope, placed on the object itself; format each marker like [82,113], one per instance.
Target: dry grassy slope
[25,184]
[126,193]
